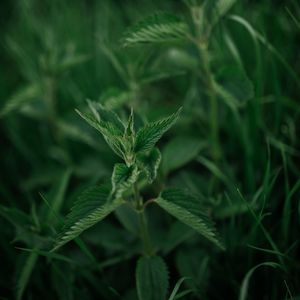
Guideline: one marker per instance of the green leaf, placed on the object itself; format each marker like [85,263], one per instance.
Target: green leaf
[150,163]
[111,133]
[151,278]
[90,208]
[114,98]
[178,233]
[128,218]
[58,194]
[129,131]
[72,61]
[194,263]
[158,28]
[215,10]
[180,151]
[246,280]
[222,7]
[123,177]
[187,209]
[22,97]
[25,274]
[177,287]
[235,81]
[150,134]
[106,115]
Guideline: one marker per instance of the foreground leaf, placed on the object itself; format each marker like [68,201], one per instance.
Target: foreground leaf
[106,115]
[151,133]
[123,177]
[150,163]
[111,133]
[91,207]
[158,28]
[151,278]
[187,209]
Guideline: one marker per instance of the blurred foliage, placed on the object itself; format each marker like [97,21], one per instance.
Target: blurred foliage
[236,144]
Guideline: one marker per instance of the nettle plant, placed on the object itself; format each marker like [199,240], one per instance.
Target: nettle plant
[136,147]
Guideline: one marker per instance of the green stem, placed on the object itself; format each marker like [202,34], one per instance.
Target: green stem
[201,41]
[145,237]
[213,103]
[144,232]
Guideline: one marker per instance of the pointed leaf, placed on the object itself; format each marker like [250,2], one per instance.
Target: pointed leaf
[149,135]
[151,278]
[245,283]
[158,28]
[58,194]
[129,131]
[91,207]
[109,116]
[187,209]
[123,177]
[150,163]
[25,274]
[111,134]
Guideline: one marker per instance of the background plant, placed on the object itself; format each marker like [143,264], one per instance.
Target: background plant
[234,68]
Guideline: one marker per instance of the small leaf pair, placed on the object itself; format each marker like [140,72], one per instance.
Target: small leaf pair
[123,140]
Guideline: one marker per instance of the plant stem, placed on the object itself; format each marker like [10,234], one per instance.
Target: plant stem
[144,232]
[201,41]
[213,103]
[145,237]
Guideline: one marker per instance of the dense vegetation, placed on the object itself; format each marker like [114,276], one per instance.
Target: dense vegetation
[191,162]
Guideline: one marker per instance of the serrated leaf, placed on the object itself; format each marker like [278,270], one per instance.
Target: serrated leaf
[150,163]
[150,134]
[180,151]
[123,177]
[187,209]
[90,208]
[111,134]
[158,28]
[129,131]
[151,278]
[106,115]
